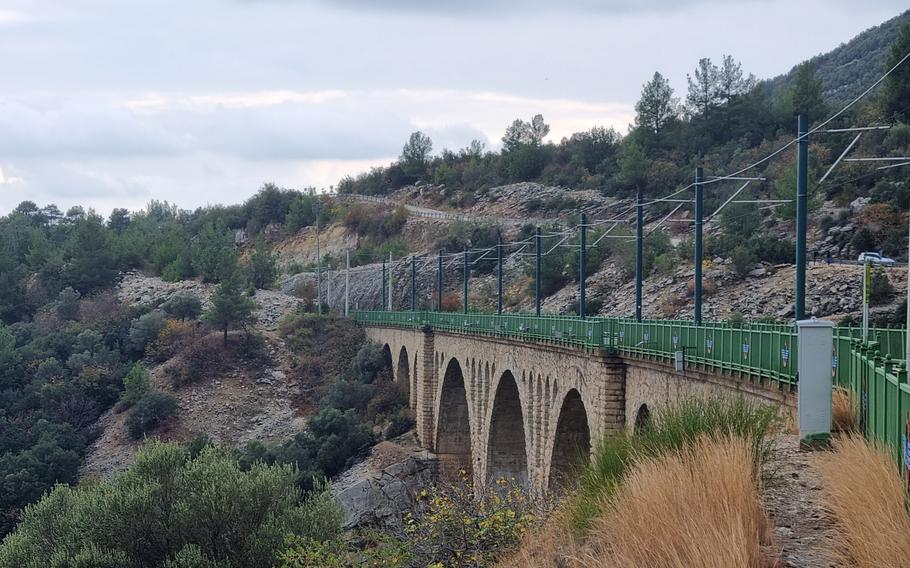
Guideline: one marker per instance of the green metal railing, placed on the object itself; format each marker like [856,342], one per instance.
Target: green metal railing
[891,342]
[758,353]
[754,351]
[556,329]
[880,384]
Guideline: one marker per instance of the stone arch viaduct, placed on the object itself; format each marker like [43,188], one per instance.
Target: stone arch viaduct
[497,407]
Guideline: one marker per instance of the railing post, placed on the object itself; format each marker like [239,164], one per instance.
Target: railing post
[537,272]
[814,346]
[582,264]
[699,190]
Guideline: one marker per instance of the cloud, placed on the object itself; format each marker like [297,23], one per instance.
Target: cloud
[8,180]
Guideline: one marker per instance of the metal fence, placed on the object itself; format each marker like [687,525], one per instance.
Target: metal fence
[890,342]
[753,351]
[884,398]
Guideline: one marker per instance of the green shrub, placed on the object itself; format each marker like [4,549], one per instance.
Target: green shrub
[135,385]
[403,421]
[170,510]
[145,329]
[743,260]
[369,362]
[150,412]
[183,306]
[880,287]
[68,304]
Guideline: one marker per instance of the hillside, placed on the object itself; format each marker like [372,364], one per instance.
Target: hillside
[847,70]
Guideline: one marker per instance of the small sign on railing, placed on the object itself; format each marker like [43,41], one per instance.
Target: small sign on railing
[746,351]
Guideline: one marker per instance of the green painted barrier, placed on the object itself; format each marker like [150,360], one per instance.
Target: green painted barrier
[880,384]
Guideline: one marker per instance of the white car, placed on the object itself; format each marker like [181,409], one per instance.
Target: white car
[874,258]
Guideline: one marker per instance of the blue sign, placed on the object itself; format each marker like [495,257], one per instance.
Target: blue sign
[906,445]
[647,336]
[745,350]
[709,343]
[785,355]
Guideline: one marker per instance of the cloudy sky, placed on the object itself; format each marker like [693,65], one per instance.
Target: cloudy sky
[110,103]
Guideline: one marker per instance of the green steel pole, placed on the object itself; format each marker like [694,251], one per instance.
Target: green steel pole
[639,252]
[582,264]
[467,274]
[382,292]
[413,284]
[537,272]
[802,182]
[439,285]
[499,275]
[699,190]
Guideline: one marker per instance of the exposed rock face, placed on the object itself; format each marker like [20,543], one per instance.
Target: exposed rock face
[136,288]
[382,488]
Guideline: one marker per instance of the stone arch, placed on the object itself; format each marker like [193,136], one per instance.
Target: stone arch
[453,430]
[642,418]
[572,441]
[507,456]
[403,372]
[387,361]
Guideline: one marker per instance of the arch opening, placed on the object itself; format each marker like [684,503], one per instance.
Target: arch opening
[453,432]
[572,443]
[403,374]
[642,418]
[385,373]
[507,456]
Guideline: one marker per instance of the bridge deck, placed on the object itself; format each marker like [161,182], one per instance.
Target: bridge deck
[758,351]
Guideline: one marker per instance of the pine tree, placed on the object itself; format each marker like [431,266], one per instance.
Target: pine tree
[657,105]
[230,306]
[262,267]
[703,89]
[806,95]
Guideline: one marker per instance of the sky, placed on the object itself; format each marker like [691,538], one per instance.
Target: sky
[106,103]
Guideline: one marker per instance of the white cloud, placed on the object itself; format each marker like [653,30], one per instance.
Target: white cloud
[109,103]
[8,180]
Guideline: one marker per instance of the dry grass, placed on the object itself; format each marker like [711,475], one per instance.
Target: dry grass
[696,507]
[866,497]
[844,410]
[542,548]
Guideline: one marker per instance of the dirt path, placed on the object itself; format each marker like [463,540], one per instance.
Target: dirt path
[793,497]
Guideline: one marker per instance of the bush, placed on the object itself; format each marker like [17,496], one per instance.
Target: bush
[743,260]
[402,422]
[68,304]
[262,268]
[369,362]
[135,385]
[151,411]
[333,442]
[170,510]
[145,329]
[880,288]
[183,306]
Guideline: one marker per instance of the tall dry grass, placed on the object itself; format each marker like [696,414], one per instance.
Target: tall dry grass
[699,506]
[867,499]
[844,410]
